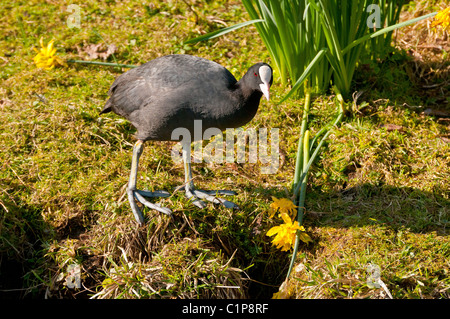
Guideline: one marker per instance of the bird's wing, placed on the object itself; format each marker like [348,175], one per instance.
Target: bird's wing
[127,94]
[139,86]
[176,78]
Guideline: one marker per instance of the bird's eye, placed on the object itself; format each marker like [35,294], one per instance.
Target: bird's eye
[255,74]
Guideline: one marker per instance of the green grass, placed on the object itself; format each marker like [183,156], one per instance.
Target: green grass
[376,195]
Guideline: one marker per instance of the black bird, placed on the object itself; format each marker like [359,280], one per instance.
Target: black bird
[172,92]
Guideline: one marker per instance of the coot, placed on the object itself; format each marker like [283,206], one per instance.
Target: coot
[172,92]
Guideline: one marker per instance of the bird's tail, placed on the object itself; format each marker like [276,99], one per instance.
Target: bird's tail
[107,107]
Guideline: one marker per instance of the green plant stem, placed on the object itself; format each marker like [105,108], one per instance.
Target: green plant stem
[298,163]
[102,63]
[317,149]
[301,201]
[307,162]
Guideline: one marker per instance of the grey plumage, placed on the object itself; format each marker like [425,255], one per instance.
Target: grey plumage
[172,91]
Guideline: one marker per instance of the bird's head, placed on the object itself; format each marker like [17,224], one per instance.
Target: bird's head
[261,78]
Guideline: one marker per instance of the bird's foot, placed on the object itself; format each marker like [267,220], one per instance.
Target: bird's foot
[138,195]
[197,195]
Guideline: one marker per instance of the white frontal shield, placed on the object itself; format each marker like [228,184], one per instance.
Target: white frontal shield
[265,73]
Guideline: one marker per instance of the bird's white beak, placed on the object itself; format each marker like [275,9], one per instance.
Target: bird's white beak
[265,89]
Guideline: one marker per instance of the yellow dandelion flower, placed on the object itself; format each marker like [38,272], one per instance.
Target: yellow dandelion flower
[285,233]
[284,206]
[46,57]
[442,19]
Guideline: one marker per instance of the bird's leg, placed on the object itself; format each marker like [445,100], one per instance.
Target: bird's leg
[196,194]
[189,184]
[135,194]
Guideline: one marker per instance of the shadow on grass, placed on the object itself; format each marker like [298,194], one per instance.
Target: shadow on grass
[22,235]
[394,207]
[26,269]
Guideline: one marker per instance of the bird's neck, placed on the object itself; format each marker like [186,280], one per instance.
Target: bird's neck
[247,102]
[245,90]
